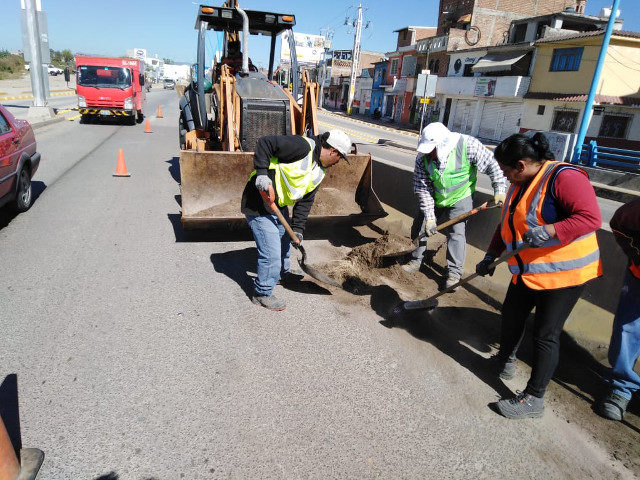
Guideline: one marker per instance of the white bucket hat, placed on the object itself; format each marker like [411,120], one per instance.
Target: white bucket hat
[433,136]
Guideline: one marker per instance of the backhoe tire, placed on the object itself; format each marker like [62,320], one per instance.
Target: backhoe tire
[182,132]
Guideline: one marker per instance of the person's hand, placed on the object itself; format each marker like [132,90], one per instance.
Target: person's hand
[263,182]
[294,244]
[536,237]
[430,228]
[482,268]
[499,198]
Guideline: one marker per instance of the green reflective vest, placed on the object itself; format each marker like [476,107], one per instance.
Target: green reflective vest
[457,181]
[294,180]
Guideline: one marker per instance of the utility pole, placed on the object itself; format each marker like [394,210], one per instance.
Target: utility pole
[424,93]
[588,107]
[327,39]
[355,59]
[39,111]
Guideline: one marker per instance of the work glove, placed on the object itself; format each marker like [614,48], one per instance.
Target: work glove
[499,198]
[263,182]
[294,244]
[482,268]
[430,228]
[536,237]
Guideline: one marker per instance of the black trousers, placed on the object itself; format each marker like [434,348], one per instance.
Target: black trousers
[552,309]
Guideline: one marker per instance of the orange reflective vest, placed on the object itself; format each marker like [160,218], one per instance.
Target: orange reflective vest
[635,269]
[552,265]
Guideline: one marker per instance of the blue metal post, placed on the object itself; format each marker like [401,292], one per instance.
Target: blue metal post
[586,115]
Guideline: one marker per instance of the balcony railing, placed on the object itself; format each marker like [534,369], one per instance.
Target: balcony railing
[505,87]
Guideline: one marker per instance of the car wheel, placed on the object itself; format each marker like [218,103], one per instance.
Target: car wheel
[22,201]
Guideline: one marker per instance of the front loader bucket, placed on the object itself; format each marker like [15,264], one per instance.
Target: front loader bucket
[212,183]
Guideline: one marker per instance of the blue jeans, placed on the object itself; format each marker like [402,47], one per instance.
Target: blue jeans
[273,250]
[624,347]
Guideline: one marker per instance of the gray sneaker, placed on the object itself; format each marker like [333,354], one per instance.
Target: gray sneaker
[522,405]
[413,266]
[506,369]
[270,303]
[613,406]
[451,280]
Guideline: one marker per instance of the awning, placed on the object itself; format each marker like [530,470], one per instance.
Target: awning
[465,18]
[497,62]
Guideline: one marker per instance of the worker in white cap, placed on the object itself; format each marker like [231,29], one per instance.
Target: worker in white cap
[292,167]
[444,178]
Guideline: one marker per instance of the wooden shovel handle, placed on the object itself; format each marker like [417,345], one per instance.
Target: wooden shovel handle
[269,201]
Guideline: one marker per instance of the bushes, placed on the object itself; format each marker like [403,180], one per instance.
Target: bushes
[11,66]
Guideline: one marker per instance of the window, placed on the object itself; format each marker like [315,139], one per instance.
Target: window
[4,125]
[614,126]
[394,67]
[467,70]
[541,109]
[408,66]
[519,33]
[566,59]
[565,121]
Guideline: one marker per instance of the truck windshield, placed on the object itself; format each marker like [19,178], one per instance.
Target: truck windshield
[109,77]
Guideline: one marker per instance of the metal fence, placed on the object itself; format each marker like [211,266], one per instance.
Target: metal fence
[594,155]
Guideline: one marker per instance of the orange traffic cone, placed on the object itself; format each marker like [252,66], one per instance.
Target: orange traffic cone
[121,167]
[159,112]
[147,127]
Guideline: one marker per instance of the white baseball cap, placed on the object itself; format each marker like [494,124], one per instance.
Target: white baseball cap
[432,136]
[340,141]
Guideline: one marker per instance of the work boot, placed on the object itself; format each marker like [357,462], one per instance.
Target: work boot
[451,280]
[612,406]
[270,303]
[522,405]
[290,277]
[506,369]
[413,265]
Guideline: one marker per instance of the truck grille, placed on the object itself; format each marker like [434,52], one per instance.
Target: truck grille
[259,118]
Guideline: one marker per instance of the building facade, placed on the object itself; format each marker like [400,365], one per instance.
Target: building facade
[561,80]
[377,91]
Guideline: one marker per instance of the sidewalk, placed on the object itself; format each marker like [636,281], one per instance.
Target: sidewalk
[20,88]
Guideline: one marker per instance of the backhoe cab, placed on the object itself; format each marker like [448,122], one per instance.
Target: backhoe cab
[224,113]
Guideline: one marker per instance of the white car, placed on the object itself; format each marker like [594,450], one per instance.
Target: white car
[53,70]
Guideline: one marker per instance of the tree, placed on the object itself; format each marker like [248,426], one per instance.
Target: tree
[167,61]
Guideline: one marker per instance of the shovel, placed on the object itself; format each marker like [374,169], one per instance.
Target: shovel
[432,302]
[442,226]
[269,200]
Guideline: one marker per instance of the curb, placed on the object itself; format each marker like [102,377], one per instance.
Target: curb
[38,125]
[25,97]
[403,132]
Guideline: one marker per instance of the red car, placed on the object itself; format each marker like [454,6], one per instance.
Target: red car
[18,161]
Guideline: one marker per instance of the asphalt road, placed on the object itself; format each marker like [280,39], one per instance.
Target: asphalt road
[139,353]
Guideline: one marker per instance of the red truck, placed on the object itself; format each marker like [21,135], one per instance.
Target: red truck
[109,87]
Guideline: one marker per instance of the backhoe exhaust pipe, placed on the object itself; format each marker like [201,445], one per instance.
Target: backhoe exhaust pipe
[245,40]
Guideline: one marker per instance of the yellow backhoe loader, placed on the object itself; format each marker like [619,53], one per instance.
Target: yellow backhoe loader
[221,120]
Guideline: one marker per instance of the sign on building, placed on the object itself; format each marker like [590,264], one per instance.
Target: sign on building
[485,87]
[426,85]
[309,48]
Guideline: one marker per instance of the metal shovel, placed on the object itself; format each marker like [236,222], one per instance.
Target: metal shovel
[432,302]
[442,226]
[269,200]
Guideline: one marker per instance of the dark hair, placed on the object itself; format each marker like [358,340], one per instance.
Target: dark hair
[323,140]
[519,146]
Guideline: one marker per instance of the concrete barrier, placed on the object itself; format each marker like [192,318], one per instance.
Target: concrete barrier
[590,322]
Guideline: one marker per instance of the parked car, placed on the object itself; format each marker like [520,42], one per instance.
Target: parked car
[168,83]
[53,70]
[19,161]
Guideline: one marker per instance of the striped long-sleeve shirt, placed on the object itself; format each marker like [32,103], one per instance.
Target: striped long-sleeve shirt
[478,155]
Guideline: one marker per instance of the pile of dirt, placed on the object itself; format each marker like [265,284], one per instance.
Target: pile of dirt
[362,269]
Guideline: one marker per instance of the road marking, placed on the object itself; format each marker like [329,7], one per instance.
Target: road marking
[353,133]
[25,97]
[71,119]
[369,124]
[60,112]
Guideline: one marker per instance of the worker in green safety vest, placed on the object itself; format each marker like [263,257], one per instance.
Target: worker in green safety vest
[444,178]
[293,166]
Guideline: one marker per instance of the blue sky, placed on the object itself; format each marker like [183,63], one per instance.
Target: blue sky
[166,27]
